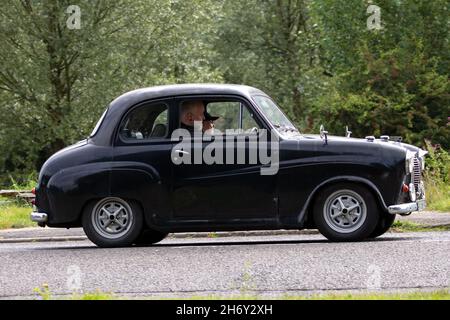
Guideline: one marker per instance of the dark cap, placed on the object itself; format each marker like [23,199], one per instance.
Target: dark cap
[209,117]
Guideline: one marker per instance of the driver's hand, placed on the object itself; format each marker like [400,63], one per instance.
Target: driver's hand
[207,125]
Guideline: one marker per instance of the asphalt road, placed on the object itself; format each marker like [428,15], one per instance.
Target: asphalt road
[263,265]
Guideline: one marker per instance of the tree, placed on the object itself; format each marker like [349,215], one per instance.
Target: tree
[55,81]
[273,45]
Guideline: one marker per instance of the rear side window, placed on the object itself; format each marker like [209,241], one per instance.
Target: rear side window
[146,123]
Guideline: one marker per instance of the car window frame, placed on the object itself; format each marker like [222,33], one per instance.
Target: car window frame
[120,141]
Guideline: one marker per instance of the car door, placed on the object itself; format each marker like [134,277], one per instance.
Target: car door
[230,193]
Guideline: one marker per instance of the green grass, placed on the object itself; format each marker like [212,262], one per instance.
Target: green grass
[44,294]
[438,195]
[406,226]
[14,215]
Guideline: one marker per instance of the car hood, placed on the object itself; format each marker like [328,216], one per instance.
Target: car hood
[358,141]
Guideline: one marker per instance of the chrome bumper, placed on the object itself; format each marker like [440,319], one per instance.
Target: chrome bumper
[419,205]
[39,217]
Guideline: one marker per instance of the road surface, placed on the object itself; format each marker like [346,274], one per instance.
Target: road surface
[269,266]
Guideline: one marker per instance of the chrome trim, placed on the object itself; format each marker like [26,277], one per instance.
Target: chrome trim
[323,133]
[39,217]
[419,205]
[412,192]
[347,132]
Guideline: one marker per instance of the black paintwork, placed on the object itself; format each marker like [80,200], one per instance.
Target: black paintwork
[215,197]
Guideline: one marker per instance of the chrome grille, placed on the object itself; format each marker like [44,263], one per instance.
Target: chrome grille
[416,174]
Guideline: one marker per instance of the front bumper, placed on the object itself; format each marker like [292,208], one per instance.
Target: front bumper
[419,205]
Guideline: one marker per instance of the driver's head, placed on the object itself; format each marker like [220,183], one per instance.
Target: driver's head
[192,111]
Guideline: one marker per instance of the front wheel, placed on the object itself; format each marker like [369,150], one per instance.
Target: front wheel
[346,212]
[112,222]
[386,221]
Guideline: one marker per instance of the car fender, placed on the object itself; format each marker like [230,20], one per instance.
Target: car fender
[70,189]
[347,178]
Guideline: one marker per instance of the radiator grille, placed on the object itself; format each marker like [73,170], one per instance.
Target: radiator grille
[416,174]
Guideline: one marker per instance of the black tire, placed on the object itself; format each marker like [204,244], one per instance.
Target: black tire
[149,236]
[96,228]
[384,223]
[335,218]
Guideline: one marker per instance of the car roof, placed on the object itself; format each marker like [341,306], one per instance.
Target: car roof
[136,96]
[121,104]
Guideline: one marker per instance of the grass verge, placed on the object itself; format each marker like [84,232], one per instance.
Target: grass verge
[406,226]
[438,196]
[44,294]
[14,216]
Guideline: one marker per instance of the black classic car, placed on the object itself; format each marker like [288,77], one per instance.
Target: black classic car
[136,178]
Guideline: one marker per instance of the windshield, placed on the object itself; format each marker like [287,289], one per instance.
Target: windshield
[98,124]
[274,114]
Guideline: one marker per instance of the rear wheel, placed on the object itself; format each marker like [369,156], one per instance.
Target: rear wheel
[384,223]
[346,212]
[112,222]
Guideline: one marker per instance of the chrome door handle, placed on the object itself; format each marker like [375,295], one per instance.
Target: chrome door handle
[176,154]
[182,152]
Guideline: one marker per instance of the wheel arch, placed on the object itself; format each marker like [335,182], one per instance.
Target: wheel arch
[305,216]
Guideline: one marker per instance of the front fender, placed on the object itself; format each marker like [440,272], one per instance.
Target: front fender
[367,183]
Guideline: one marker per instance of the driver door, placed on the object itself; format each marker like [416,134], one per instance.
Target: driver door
[229,193]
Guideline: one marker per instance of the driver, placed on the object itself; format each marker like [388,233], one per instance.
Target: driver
[193,115]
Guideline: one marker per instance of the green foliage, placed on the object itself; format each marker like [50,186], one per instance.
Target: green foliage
[437,177]
[438,163]
[55,82]
[44,292]
[24,182]
[13,215]
[406,226]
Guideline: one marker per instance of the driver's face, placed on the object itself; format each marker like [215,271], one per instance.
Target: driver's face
[197,113]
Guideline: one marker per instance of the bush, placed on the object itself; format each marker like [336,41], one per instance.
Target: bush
[437,177]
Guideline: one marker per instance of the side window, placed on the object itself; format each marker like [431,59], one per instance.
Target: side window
[232,115]
[145,123]
[248,122]
[228,113]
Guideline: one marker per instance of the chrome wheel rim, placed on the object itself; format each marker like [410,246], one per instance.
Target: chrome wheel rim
[112,218]
[345,211]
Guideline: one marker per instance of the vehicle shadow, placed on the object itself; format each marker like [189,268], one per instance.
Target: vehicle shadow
[191,242]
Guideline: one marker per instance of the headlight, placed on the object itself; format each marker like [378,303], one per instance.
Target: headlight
[422,154]
[412,192]
[409,163]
